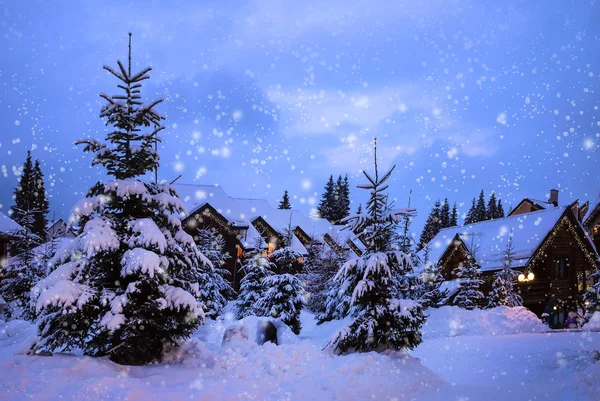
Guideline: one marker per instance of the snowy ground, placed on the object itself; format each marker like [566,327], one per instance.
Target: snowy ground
[526,366]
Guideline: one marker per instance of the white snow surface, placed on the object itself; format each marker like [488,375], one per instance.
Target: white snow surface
[141,260]
[452,321]
[516,367]
[594,323]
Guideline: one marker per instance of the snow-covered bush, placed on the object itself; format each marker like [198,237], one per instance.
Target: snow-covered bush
[282,299]
[128,285]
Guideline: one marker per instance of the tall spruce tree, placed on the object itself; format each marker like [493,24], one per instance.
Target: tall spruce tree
[470,218]
[327,203]
[432,225]
[342,197]
[24,210]
[454,216]
[491,211]
[128,285]
[285,201]
[503,292]
[40,203]
[445,214]
[500,210]
[381,319]
[480,210]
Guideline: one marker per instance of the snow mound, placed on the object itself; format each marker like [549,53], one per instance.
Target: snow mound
[594,323]
[255,323]
[452,321]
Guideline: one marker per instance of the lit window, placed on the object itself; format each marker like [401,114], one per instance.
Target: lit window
[271,248]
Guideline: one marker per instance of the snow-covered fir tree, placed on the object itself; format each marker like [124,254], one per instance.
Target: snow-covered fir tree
[285,201]
[503,292]
[215,291]
[282,299]
[252,287]
[381,319]
[341,207]
[468,295]
[22,271]
[129,284]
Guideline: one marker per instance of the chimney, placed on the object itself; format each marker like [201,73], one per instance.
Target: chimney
[553,197]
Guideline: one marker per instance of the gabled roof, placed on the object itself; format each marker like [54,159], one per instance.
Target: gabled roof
[487,239]
[536,205]
[8,225]
[194,197]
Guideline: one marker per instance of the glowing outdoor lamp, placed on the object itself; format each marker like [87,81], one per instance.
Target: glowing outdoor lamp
[524,278]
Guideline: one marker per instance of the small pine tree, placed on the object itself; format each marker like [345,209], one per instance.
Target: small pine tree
[491,212]
[469,296]
[214,291]
[282,299]
[252,287]
[470,218]
[454,216]
[503,293]
[285,201]
[432,225]
[480,210]
[128,285]
[326,205]
[359,209]
[40,203]
[382,321]
[285,258]
[591,297]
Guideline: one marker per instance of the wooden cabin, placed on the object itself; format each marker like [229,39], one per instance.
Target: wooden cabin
[247,225]
[549,243]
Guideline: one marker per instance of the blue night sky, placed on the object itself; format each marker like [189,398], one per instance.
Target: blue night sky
[263,96]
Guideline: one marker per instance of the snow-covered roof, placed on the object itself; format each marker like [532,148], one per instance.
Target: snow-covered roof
[8,225]
[488,239]
[196,196]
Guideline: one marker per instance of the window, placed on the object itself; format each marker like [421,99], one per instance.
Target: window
[561,268]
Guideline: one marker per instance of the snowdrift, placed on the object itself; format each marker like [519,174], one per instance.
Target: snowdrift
[452,321]
[594,323]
